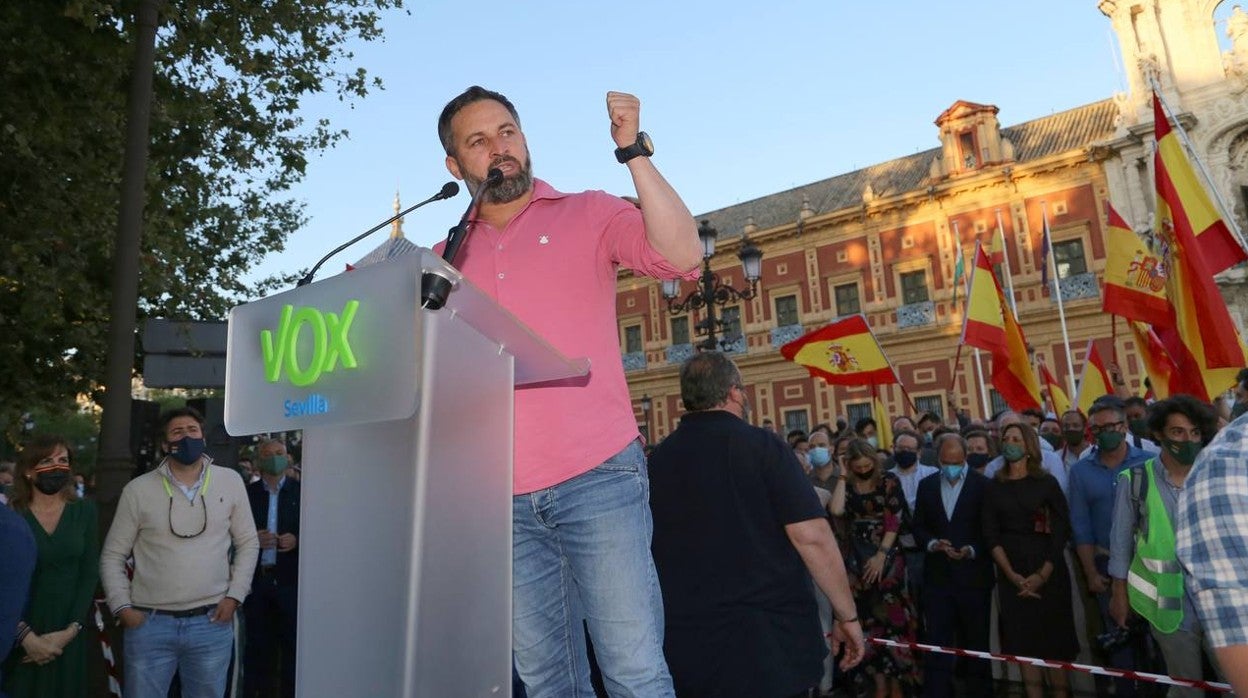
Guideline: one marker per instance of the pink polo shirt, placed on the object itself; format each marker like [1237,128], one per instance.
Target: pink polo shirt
[554,266]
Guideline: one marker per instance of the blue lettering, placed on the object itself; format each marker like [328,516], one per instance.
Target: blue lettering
[312,404]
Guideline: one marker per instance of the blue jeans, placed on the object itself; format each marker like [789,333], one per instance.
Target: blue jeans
[581,550]
[198,649]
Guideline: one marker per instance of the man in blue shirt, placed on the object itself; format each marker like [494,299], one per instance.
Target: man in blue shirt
[1092,482]
[17,549]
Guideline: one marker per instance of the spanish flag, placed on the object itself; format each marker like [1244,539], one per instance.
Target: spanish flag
[1135,276]
[844,353]
[883,424]
[996,249]
[989,324]
[1162,373]
[1095,382]
[1057,396]
[1204,342]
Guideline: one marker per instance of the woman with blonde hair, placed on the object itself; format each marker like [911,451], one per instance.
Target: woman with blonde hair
[1026,527]
[52,659]
[872,505]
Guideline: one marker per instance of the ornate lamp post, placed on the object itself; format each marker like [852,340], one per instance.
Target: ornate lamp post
[711,291]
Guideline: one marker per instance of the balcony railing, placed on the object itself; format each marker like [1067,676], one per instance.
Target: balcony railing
[1078,286]
[680,353]
[783,335]
[634,361]
[736,345]
[916,314]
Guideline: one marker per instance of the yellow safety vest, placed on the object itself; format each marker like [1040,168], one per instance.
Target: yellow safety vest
[1155,579]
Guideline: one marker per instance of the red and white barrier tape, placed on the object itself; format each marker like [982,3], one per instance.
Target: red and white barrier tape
[1065,666]
[110,664]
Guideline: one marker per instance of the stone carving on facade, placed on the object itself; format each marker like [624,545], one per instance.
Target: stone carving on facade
[1235,61]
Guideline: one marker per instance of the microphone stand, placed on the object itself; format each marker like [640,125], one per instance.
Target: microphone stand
[434,287]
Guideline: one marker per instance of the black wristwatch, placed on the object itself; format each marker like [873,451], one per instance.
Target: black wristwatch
[643,147]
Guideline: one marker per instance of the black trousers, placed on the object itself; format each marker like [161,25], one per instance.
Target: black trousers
[956,617]
[269,620]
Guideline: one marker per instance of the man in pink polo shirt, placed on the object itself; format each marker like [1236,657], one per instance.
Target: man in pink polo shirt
[581,516]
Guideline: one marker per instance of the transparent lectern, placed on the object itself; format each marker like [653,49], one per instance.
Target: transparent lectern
[405,530]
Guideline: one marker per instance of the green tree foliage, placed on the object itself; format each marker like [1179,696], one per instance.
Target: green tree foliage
[228,140]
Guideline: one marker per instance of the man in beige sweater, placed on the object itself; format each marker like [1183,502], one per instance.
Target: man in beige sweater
[179,522]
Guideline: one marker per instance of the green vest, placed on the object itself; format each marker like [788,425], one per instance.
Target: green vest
[1155,580]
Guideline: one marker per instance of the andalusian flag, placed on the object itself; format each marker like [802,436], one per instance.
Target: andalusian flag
[1135,276]
[989,324]
[843,353]
[1057,396]
[959,271]
[1204,342]
[1095,382]
[1162,373]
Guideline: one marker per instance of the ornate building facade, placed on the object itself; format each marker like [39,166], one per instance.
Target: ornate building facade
[883,241]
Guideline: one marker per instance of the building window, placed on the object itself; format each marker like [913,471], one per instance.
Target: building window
[1068,258]
[632,339]
[914,287]
[856,411]
[966,141]
[847,300]
[786,311]
[998,402]
[796,419]
[930,404]
[731,318]
[680,330]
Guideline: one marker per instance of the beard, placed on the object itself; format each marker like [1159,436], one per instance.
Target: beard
[511,187]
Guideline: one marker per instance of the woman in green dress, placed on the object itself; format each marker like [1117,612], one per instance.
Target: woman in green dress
[52,660]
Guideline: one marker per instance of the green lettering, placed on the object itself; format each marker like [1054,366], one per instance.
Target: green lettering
[274,351]
[316,322]
[339,342]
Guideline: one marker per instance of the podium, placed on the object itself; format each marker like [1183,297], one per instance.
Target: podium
[407,416]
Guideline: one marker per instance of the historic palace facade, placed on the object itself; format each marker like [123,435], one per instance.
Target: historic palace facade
[883,240]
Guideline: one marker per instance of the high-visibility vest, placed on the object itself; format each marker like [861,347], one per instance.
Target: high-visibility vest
[1155,579]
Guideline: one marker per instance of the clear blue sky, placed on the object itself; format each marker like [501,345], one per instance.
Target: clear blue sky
[741,102]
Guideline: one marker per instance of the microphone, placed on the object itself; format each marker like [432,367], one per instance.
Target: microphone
[456,236]
[448,190]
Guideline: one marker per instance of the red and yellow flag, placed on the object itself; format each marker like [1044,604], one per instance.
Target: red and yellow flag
[990,325]
[1057,395]
[983,326]
[1095,382]
[1204,343]
[996,249]
[1160,368]
[1135,276]
[883,423]
[844,353]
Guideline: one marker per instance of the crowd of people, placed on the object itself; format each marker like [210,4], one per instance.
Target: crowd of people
[190,545]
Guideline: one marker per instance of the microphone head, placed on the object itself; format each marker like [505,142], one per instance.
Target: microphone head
[494,176]
[448,190]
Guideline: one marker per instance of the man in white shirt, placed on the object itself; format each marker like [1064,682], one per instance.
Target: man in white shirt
[909,470]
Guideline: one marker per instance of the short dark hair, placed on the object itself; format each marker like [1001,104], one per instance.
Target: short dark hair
[1200,413]
[173,414]
[1135,401]
[1033,412]
[927,417]
[863,424]
[476,93]
[795,432]
[706,379]
[1108,403]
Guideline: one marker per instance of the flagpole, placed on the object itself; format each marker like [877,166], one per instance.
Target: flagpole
[1057,290]
[1005,263]
[983,389]
[1231,223]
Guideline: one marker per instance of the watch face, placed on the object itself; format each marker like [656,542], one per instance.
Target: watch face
[643,139]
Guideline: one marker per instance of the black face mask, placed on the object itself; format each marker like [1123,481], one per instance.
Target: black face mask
[978,460]
[52,481]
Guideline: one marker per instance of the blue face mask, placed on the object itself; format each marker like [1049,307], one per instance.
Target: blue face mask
[187,450]
[952,473]
[819,456]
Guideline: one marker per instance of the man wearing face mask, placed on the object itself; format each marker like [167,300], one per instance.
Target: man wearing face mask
[910,471]
[1136,409]
[865,429]
[738,537]
[957,571]
[180,521]
[1143,563]
[272,606]
[824,468]
[1092,480]
[1074,438]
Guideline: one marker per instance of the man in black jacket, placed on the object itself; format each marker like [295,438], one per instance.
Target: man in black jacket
[271,608]
[957,574]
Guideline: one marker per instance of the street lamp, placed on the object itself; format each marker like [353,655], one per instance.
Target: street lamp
[646,404]
[711,291]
